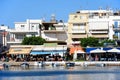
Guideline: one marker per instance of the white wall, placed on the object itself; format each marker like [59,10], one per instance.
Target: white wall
[96,24]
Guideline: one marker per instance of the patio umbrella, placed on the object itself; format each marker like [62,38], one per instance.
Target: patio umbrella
[97,51]
[77,52]
[114,50]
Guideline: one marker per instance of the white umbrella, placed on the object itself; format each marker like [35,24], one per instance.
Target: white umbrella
[97,51]
[114,50]
[77,52]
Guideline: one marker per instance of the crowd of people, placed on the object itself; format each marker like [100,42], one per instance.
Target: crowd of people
[20,58]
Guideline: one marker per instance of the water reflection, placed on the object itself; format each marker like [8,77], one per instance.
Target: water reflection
[62,73]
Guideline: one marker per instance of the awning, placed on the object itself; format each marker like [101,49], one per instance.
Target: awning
[89,49]
[39,52]
[76,48]
[47,52]
[20,50]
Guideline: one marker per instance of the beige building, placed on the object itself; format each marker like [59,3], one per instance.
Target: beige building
[77,27]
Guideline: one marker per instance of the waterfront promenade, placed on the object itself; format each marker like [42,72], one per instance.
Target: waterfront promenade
[62,63]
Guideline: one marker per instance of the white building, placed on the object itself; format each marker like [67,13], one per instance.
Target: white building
[3,34]
[50,31]
[22,29]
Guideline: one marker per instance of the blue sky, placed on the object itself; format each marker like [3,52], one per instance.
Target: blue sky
[19,10]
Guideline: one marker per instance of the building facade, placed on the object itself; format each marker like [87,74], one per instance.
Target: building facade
[101,24]
[4,35]
[77,27]
[22,29]
[50,31]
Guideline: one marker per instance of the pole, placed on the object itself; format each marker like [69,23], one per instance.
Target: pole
[40,30]
[4,38]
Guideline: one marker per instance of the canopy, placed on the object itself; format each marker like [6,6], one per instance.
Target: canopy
[20,50]
[114,50]
[97,51]
[76,48]
[47,52]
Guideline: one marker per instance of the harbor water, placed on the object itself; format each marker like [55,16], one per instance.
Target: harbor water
[61,73]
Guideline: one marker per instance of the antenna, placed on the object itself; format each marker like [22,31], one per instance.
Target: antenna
[107,8]
[43,18]
[100,8]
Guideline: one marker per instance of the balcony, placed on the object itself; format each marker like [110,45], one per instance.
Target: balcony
[78,31]
[53,31]
[99,32]
[116,29]
[12,40]
[23,31]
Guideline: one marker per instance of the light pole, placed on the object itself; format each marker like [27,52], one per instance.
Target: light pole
[40,30]
[4,37]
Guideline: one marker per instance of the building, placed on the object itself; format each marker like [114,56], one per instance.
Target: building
[4,35]
[3,38]
[77,27]
[22,29]
[116,24]
[101,24]
[50,31]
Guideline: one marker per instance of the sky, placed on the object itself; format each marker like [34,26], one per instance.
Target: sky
[19,10]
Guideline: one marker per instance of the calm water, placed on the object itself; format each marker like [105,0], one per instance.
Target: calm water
[61,73]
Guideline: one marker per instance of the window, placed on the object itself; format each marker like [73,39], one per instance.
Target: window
[22,27]
[81,17]
[32,27]
[33,35]
[75,16]
[78,27]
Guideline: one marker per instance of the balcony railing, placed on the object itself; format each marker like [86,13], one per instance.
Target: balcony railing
[116,29]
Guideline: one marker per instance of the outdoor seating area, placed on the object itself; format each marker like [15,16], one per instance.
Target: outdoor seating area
[77,53]
[103,54]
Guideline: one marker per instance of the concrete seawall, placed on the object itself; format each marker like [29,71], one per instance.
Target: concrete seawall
[62,63]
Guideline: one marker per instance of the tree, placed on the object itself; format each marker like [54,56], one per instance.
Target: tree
[33,41]
[108,42]
[90,41]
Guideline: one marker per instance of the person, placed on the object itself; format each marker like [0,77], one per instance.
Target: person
[96,58]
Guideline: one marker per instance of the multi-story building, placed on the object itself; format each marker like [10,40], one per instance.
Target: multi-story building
[3,35]
[116,24]
[50,31]
[3,38]
[22,29]
[101,24]
[77,27]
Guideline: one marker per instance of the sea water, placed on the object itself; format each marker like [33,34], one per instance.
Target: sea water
[62,73]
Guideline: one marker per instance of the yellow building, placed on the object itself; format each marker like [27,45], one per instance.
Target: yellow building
[77,27]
